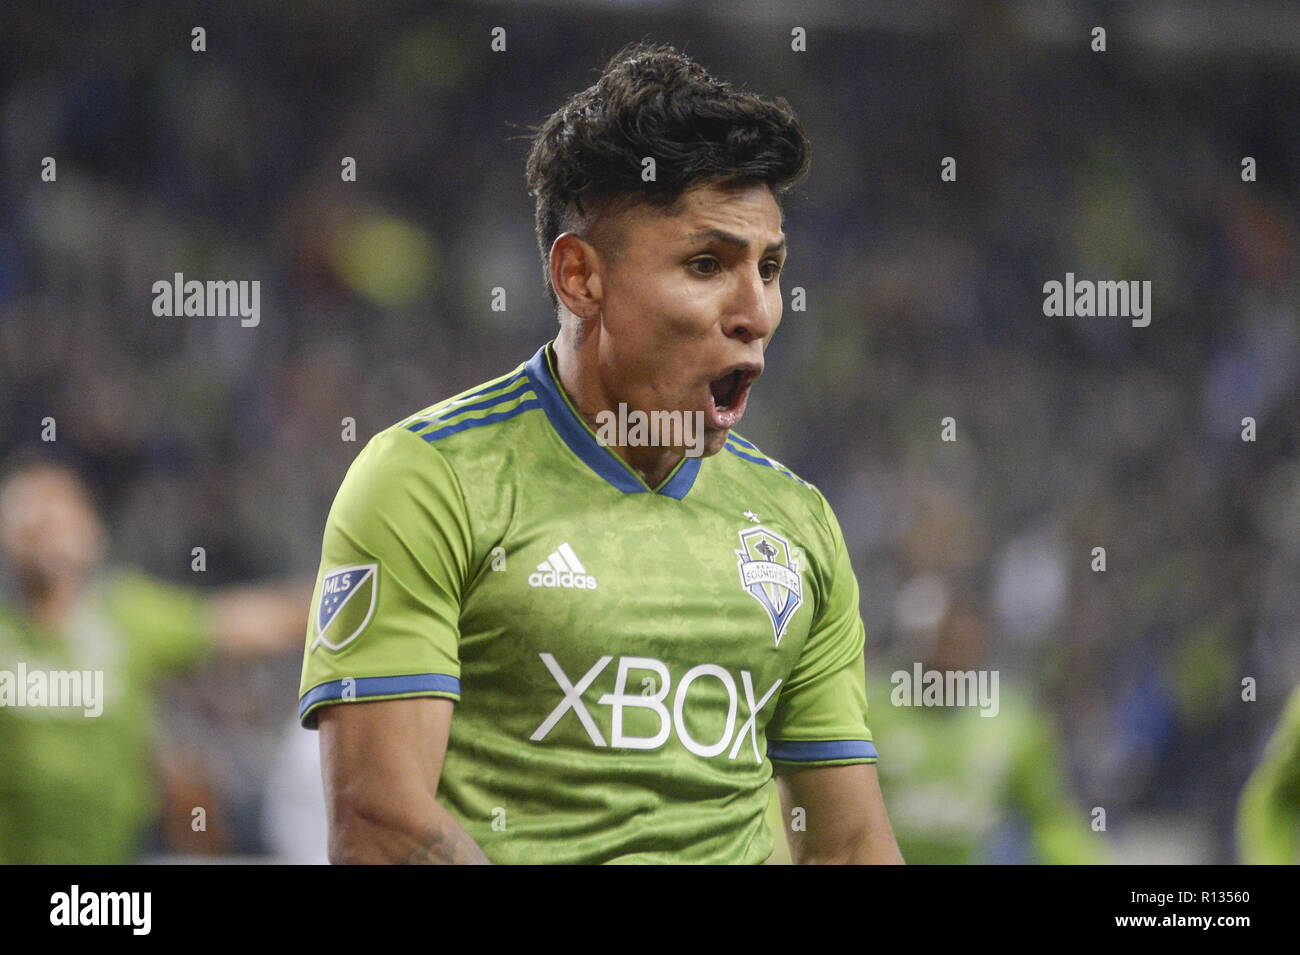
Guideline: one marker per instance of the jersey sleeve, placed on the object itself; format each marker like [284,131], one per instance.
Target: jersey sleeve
[821,715]
[394,561]
[165,624]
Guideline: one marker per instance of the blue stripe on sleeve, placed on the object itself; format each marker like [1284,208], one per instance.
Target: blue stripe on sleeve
[519,385]
[803,752]
[370,686]
[749,457]
[466,423]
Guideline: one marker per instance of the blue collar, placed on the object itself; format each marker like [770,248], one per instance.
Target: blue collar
[577,434]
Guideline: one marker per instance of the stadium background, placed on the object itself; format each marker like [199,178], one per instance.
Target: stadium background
[924,300]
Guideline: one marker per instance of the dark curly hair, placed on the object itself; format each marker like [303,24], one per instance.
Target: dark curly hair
[652,100]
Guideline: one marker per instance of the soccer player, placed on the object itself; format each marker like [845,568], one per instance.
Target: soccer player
[530,645]
[970,788]
[78,782]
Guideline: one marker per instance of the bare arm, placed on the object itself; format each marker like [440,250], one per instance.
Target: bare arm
[845,818]
[380,763]
[259,618]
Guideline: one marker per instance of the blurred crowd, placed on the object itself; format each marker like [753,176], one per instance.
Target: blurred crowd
[924,301]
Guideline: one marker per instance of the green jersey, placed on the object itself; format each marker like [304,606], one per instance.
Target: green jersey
[628,662]
[1268,815]
[966,788]
[77,776]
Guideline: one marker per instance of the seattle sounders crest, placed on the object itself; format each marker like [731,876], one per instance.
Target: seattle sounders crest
[771,575]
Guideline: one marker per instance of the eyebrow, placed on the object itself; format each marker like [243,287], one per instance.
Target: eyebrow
[728,238]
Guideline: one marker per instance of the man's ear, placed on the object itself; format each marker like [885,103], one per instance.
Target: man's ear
[576,275]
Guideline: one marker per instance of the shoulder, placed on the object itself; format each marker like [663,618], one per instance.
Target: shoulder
[747,451]
[484,406]
[428,444]
[123,588]
[774,483]
[443,464]
[164,622]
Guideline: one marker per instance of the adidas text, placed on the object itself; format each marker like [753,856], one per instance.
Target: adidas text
[562,569]
[566,579]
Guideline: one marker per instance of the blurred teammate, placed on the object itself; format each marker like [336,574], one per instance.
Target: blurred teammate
[76,786]
[633,639]
[970,788]
[1268,815]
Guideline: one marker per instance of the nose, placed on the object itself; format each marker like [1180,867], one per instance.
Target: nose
[755,310]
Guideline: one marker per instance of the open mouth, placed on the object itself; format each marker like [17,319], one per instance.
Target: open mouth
[727,397]
[725,390]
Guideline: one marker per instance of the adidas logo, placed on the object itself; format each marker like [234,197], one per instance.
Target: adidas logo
[562,569]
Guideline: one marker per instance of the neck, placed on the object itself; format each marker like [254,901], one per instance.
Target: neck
[577,367]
